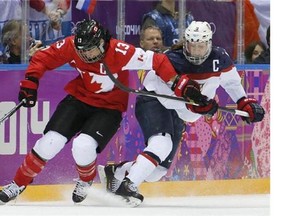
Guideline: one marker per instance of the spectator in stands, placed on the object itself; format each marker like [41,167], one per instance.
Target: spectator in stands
[166,18]
[12,40]
[151,39]
[55,10]
[41,10]
[49,20]
[253,51]
[9,10]
[264,58]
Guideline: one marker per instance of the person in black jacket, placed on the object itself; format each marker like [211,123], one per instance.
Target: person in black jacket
[264,58]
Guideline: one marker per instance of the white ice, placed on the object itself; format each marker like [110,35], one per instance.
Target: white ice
[100,203]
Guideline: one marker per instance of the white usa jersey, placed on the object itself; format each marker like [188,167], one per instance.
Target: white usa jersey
[217,70]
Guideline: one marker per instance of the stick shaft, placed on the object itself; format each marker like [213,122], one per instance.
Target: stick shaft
[151,94]
[12,111]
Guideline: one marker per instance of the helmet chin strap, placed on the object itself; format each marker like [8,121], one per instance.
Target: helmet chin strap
[101,47]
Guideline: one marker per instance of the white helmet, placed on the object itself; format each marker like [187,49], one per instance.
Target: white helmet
[198,42]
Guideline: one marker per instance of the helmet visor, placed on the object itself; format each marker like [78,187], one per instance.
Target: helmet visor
[197,49]
[91,55]
[197,52]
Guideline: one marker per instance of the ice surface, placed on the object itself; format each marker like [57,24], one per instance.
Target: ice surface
[100,203]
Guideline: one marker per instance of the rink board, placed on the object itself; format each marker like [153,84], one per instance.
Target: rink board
[159,189]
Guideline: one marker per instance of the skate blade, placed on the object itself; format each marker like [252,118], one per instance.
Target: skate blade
[14,200]
[132,201]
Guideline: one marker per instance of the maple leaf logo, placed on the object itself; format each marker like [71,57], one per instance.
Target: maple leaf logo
[97,82]
[101,83]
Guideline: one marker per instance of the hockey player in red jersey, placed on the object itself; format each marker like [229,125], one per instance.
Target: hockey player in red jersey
[161,120]
[93,108]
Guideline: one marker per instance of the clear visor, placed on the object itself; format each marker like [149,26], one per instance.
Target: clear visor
[197,52]
[197,49]
[91,55]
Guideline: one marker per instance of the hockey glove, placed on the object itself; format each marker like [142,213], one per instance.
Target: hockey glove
[28,91]
[250,105]
[209,109]
[188,89]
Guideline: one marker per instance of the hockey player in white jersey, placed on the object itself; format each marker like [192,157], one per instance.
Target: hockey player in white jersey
[162,120]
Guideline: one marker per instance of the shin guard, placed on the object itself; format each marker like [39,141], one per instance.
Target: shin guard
[87,173]
[29,169]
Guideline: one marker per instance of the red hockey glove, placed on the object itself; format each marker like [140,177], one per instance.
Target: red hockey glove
[28,91]
[188,89]
[209,109]
[250,105]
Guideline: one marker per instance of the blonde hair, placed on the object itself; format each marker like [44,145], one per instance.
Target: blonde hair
[11,30]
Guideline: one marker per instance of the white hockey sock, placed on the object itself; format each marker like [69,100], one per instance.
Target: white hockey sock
[121,171]
[140,170]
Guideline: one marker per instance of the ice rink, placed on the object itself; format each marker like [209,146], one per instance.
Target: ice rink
[100,203]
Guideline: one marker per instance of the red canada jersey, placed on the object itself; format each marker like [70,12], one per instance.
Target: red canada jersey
[93,86]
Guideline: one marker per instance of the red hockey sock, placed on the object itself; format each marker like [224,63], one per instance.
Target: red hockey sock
[29,169]
[87,173]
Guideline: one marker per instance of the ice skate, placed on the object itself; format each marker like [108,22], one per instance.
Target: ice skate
[129,191]
[80,191]
[106,174]
[10,192]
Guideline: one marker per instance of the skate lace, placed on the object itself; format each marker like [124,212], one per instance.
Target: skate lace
[12,190]
[115,183]
[81,188]
[112,183]
[132,187]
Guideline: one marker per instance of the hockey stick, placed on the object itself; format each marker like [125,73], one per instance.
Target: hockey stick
[12,111]
[150,94]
